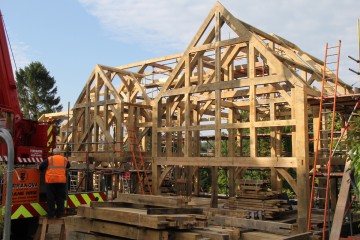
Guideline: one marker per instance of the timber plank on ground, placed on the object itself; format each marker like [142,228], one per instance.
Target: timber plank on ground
[238,213]
[267,226]
[260,235]
[187,236]
[219,233]
[271,236]
[86,225]
[153,200]
[138,217]
[88,236]
[161,211]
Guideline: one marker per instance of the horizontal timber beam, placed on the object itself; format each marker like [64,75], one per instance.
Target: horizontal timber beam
[276,123]
[225,85]
[287,162]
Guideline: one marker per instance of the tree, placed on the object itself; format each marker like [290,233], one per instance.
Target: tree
[36,91]
[353,144]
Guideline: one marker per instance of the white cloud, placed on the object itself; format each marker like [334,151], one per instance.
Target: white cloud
[20,50]
[151,23]
[172,24]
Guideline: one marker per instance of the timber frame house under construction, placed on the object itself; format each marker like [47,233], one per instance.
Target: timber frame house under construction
[233,79]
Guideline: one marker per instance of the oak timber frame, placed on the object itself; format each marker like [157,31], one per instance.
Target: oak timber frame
[239,85]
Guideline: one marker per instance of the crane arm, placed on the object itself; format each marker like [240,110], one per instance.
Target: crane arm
[9,101]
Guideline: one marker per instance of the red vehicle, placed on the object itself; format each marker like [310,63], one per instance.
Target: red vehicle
[32,140]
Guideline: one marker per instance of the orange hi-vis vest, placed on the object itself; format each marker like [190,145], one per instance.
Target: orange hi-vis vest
[56,170]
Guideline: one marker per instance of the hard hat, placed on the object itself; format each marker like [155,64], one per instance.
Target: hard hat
[56,150]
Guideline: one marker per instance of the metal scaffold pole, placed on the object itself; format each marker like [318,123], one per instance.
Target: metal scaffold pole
[4,134]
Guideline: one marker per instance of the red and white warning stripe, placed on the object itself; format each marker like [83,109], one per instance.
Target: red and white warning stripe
[29,160]
[23,160]
[3,158]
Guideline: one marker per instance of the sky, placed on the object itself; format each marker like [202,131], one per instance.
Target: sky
[71,36]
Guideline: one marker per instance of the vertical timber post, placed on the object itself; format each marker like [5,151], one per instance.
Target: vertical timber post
[214,169]
[156,148]
[188,133]
[302,156]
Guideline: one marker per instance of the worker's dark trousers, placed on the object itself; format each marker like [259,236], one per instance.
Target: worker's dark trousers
[55,193]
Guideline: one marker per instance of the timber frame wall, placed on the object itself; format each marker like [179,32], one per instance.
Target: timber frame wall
[233,78]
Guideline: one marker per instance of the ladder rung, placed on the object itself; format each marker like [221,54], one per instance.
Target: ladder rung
[320,176]
[318,209]
[334,54]
[340,150]
[333,47]
[330,62]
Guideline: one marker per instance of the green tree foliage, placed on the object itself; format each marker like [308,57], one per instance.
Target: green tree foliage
[36,91]
[353,144]
[205,179]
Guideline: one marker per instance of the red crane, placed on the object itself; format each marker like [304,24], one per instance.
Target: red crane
[32,140]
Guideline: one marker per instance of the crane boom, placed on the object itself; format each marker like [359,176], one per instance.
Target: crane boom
[9,101]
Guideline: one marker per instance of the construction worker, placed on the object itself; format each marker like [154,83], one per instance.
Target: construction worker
[55,179]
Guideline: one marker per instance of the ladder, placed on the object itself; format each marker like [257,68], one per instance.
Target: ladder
[125,182]
[73,177]
[325,135]
[139,165]
[97,181]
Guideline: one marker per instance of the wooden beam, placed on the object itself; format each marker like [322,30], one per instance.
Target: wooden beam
[341,204]
[268,226]
[287,162]
[302,155]
[289,179]
[81,224]
[154,200]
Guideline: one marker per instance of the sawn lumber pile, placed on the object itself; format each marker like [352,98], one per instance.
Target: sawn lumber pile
[140,217]
[254,196]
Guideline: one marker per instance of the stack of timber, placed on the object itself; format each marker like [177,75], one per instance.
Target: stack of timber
[140,217]
[256,189]
[254,196]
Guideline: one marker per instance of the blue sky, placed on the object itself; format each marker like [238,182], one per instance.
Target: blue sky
[70,36]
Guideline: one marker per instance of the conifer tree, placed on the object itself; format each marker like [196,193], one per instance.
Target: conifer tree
[36,91]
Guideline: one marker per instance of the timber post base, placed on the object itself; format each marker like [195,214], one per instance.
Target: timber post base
[44,222]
